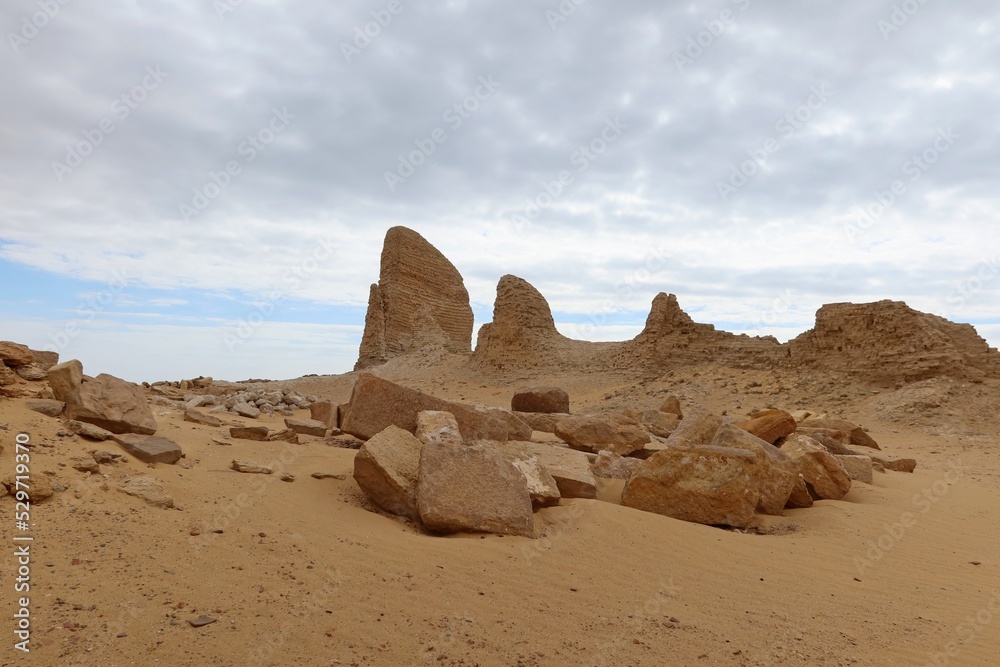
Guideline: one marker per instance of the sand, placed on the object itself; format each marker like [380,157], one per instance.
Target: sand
[310,573]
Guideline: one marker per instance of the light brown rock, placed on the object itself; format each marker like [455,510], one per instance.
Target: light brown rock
[778,474]
[540,399]
[540,421]
[31,372]
[312,427]
[609,465]
[7,376]
[150,448]
[897,465]
[800,497]
[438,426]
[568,467]
[250,467]
[672,405]
[89,430]
[800,415]
[859,468]
[593,433]
[324,411]
[377,403]
[542,487]
[258,433]
[15,354]
[112,404]
[696,429]
[45,358]
[769,425]
[283,435]
[147,488]
[48,407]
[386,468]
[65,379]
[39,486]
[825,477]
[472,488]
[658,423]
[198,417]
[858,435]
[708,485]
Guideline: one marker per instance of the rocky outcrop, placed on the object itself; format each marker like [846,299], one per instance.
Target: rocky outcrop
[419,301]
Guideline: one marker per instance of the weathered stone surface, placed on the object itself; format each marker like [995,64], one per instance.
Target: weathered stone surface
[324,411]
[377,403]
[105,457]
[472,488]
[198,417]
[593,433]
[672,405]
[800,415]
[65,379]
[386,468]
[84,464]
[769,425]
[859,468]
[147,488]
[658,423]
[89,430]
[438,426]
[897,465]
[39,486]
[779,474]
[858,435]
[149,448]
[542,487]
[7,376]
[45,358]
[250,467]
[15,354]
[111,403]
[31,372]
[540,399]
[249,432]
[244,409]
[800,497]
[48,407]
[568,467]
[420,301]
[307,426]
[825,477]
[695,430]
[540,421]
[609,465]
[283,435]
[709,485]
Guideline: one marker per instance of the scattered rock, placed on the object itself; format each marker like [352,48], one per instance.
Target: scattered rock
[387,467]
[244,409]
[201,621]
[859,468]
[198,417]
[39,486]
[540,421]
[287,477]
[258,433]
[695,430]
[778,475]
[858,435]
[898,465]
[438,426]
[31,372]
[672,405]
[593,433]
[250,467]
[770,425]
[307,426]
[84,464]
[285,435]
[328,475]
[105,457]
[540,399]
[472,488]
[150,448]
[48,407]
[825,477]
[609,465]
[149,489]
[542,487]
[324,411]
[708,485]
[105,401]
[89,430]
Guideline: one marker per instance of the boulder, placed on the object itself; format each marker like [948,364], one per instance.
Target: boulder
[149,448]
[377,403]
[7,376]
[84,464]
[15,354]
[258,433]
[672,405]
[307,426]
[660,424]
[198,417]
[593,433]
[48,407]
[609,465]
[769,425]
[778,475]
[858,435]
[708,485]
[39,486]
[244,409]
[250,467]
[542,487]
[386,468]
[324,411]
[472,488]
[540,421]
[147,488]
[111,403]
[45,358]
[65,379]
[89,430]
[540,399]
[697,429]
[859,468]
[438,426]
[825,477]
[31,372]
[568,467]
[800,497]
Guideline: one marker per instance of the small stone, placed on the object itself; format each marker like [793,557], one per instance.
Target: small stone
[201,621]
[287,477]
[197,417]
[258,433]
[328,475]
[250,467]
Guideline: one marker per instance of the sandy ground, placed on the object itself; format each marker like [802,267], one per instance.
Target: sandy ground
[308,573]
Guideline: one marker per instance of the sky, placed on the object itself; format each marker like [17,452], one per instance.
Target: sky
[202,188]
